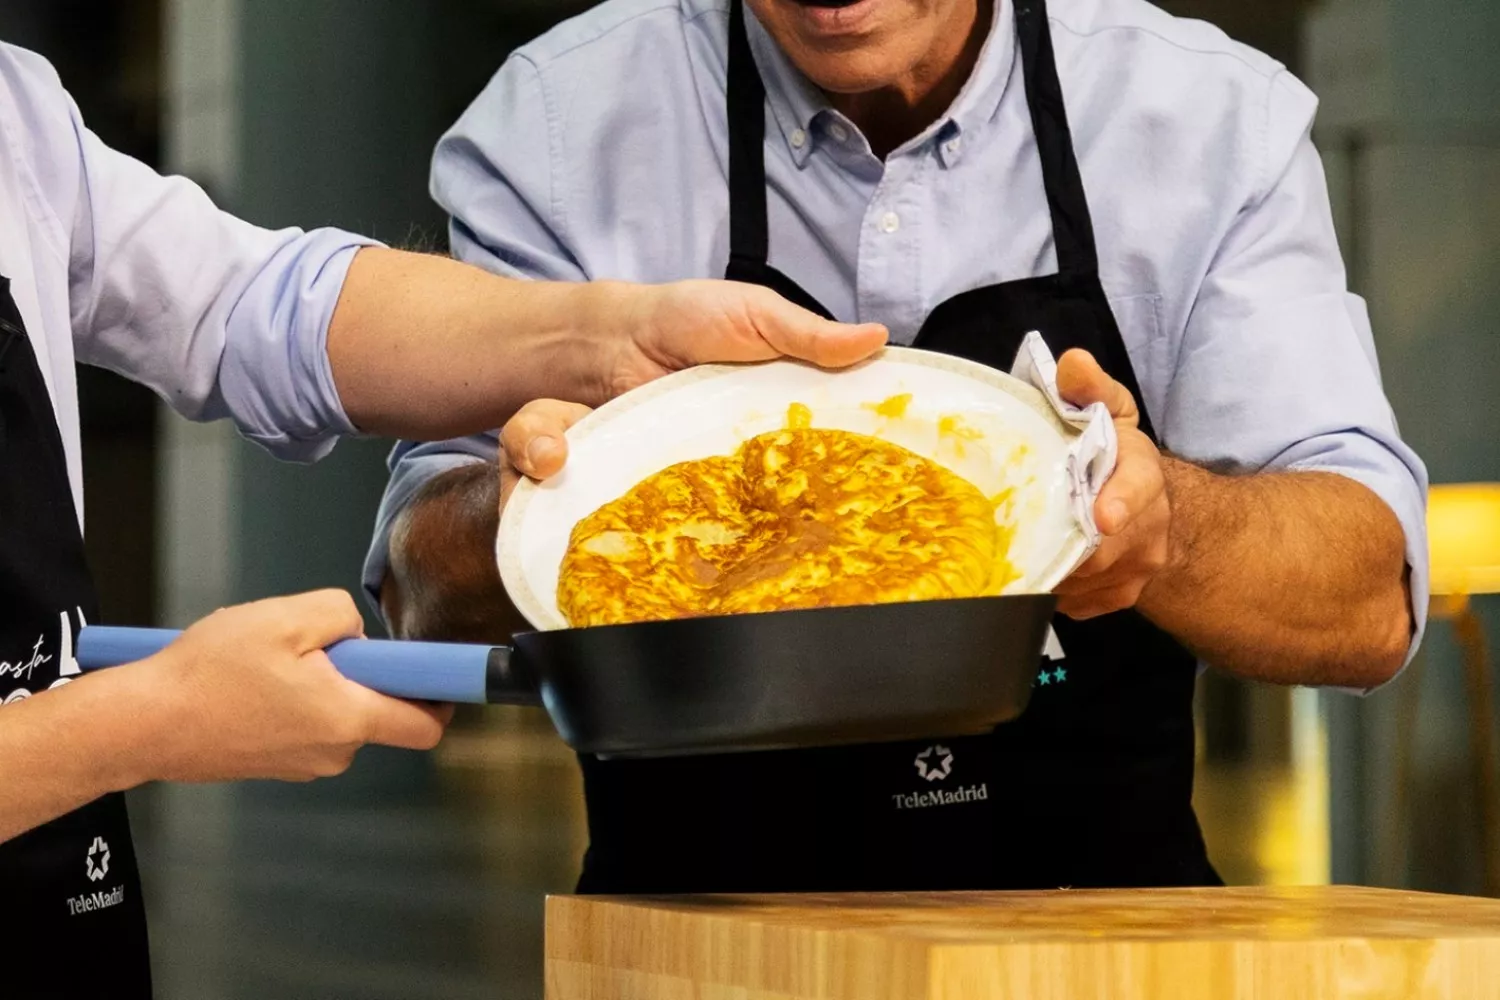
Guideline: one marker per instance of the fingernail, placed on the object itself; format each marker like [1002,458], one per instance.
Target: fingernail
[540,449]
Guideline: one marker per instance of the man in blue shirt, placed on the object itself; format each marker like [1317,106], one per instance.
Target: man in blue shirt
[299,338]
[1141,190]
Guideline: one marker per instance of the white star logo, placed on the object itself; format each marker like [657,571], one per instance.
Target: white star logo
[935,763]
[96,862]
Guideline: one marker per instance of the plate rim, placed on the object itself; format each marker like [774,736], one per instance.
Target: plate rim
[507,541]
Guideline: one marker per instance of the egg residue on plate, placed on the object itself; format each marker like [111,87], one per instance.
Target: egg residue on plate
[796,518]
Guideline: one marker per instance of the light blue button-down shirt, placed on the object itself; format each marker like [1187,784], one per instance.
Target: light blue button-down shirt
[113,265]
[600,151]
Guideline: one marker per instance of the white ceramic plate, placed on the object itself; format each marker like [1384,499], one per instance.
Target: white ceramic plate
[989,427]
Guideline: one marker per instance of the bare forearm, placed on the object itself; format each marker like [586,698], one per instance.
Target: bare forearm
[1294,578]
[64,748]
[442,582]
[425,347]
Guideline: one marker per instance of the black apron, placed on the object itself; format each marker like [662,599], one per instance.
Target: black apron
[1092,786]
[72,922]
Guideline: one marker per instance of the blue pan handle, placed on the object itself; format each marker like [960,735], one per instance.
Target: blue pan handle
[422,671]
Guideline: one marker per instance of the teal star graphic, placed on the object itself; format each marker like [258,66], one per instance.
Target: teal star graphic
[1044,678]
[1059,675]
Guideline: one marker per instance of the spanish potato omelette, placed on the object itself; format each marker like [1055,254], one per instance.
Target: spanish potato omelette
[795,518]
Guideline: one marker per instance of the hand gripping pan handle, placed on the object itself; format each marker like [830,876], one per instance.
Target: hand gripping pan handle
[421,671]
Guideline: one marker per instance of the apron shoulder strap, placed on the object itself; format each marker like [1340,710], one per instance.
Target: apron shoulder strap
[749,231]
[1072,226]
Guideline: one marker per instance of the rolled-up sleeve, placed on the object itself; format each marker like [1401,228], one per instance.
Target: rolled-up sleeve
[1277,365]
[493,173]
[220,317]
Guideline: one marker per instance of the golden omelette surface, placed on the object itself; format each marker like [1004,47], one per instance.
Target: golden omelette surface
[795,518]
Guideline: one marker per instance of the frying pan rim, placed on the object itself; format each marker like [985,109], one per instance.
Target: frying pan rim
[549,661]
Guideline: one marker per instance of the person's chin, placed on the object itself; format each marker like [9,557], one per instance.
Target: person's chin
[845,80]
[846,71]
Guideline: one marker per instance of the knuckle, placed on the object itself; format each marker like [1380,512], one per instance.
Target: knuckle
[334,764]
[346,729]
[559,410]
[518,428]
[431,736]
[1100,562]
[1155,559]
[283,631]
[330,601]
[341,599]
[541,414]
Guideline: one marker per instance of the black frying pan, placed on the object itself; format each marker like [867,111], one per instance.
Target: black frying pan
[819,677]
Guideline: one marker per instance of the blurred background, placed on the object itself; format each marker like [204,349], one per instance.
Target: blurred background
[423,876]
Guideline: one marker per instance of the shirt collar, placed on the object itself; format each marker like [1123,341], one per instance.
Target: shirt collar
[796,102]
[978,103]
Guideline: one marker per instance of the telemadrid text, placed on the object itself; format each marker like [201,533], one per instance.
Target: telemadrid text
[941,797]
[100,900]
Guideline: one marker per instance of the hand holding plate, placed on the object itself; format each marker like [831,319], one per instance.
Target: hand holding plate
[1132,512]
[687,323]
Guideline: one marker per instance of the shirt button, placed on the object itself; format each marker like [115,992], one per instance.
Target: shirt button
[799,139]
[839,133]
[890,222]
[952,146]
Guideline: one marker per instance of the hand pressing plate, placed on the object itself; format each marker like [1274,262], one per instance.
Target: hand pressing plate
[992,429]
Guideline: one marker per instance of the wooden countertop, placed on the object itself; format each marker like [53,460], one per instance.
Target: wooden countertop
[1315,943]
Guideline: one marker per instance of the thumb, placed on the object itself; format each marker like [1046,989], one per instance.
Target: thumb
[534,440]
[1082,382]
[798,333]
[395,722]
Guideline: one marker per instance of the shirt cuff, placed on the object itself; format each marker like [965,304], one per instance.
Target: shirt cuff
[1398,478]
[275,377]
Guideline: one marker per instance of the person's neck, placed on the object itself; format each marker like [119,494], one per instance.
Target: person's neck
[895,114]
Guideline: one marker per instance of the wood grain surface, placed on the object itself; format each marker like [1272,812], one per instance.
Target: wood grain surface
[1314,943]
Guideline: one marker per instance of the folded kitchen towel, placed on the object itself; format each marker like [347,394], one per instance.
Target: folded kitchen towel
[1091,459]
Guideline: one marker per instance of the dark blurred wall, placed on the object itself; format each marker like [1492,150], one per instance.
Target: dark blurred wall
[354,157]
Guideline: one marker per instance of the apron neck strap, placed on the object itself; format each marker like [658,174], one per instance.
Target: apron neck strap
[1072,226]
[749,232]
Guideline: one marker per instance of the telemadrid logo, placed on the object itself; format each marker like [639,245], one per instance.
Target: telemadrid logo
[96,862]
[935,763]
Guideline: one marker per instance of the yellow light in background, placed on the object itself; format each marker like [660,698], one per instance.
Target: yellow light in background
[1265,814]
[1294,842]
[1463,529]
[1463,532]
